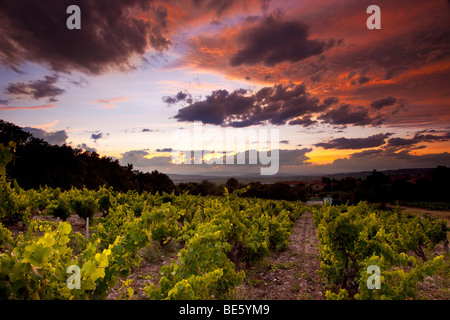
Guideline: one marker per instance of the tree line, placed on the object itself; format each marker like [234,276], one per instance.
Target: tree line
[384,188]
[378,187]
[37,163]
[274,191]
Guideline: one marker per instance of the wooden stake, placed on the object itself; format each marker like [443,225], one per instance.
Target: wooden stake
[87,228]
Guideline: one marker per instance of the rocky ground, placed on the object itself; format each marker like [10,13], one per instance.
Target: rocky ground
[291,274]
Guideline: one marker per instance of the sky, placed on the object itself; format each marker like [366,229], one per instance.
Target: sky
[340,97]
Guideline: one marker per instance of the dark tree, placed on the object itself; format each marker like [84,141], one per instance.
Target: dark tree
[232,184]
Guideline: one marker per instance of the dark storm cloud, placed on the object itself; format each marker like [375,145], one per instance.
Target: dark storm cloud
[331,101]
[376,140]
[110,34]
[275,105]
[419,137]
[361,80]
[272,41]
[345,114]
[180,96]
[45,88]
[384,102]
[55,137]
[393,72]
[401,142]
[305,121]
[219,6]
[217,107]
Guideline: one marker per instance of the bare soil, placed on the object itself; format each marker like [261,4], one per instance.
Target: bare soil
[291,274]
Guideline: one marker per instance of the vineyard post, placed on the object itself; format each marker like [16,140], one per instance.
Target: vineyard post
[87,228]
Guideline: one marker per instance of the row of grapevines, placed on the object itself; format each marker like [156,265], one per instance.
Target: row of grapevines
[220,233]
[35,264]
[352,238]
[217,232]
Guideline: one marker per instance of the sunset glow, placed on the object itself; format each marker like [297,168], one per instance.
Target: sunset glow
[343,97]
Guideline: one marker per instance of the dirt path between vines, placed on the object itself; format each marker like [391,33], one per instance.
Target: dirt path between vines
[291,274]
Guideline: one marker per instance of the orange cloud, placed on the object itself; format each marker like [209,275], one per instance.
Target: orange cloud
[46,106]
[108,103]
[45,125]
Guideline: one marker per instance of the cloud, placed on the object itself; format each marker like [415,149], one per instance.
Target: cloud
[381,159]
[384,102]
[284,141]
[218,6]
[419,137]
[394,72]
[52,137]
[45,106]
[276,105]
[86,148]
[360,80]
[98,135]
[272,41]
[138,159]
[38,89]
[109,103]
[143,160]
[410,61]
[164,150]
[46,125]
[393,153]
[345,114]
[109,37]
[373,141]
[305,121]
[180,96]
[82,83]
[241,108]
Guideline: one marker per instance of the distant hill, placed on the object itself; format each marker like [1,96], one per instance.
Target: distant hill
[181,178]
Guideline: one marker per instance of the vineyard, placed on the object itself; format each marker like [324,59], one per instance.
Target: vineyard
[44,255]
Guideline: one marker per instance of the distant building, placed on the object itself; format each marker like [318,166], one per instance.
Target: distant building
[317,185]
